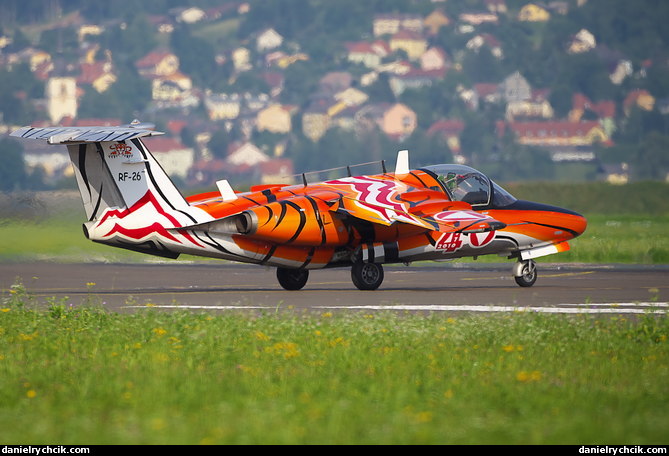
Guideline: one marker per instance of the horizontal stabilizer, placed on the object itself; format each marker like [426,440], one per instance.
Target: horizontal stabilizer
[77,135]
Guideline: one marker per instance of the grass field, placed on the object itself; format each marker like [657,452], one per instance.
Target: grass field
[85,376]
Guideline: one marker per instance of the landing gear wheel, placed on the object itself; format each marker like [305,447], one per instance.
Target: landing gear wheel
[367,276]
[525,273]
[292,279]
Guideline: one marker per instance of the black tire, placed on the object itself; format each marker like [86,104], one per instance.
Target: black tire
[367,276]
[292,279]
[528,274]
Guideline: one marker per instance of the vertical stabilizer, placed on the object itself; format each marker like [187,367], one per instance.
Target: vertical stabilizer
[129,199]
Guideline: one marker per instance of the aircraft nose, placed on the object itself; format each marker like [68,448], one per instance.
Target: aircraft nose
[578,224]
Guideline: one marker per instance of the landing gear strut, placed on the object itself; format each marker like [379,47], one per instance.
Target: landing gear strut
[367,276]
[525,273]
[292,279]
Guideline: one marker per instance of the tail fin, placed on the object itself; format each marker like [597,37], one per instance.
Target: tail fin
[129,199]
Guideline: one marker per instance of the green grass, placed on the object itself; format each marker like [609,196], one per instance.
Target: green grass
[627,239]
[86,376]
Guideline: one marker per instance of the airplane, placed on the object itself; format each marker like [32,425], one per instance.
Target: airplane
[362,222]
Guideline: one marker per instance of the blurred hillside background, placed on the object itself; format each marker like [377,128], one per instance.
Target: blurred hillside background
[567,91]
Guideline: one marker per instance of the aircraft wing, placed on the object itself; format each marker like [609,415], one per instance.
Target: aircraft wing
[386,202]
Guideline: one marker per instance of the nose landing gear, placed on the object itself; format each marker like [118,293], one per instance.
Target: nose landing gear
[525,273]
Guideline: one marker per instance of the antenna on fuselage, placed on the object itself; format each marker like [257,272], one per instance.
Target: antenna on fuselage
[402,164]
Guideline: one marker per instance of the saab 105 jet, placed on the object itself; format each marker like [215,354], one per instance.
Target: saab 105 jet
[361,222]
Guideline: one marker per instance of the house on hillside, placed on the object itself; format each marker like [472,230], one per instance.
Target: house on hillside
[515,88]
[478,17]
[389,24]
[275,119]
[241,59]
[435,21]
[435,58]
[485,40]
[361,52]
[351,97]
[397,121]
[157,63]
[222,106]
[414,79]
[583,41]
[561,133]
[61,98]
[98,74]
[581,105]
[410,42]
[315,118]
[267,40]
[496,6]
[533,12]
[537,106]
[174,90]
[245,155]
[174,157]
[639,98]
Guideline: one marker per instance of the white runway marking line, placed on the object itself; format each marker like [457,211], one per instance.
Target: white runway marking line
[590,308]
[613,308]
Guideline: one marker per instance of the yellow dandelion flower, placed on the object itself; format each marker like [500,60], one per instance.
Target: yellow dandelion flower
[261,336]
[327,315]
[507,348]
[157,424]
[31,393]
[4,310]
[524,376]
[423,417]
[339,341]
[159,331]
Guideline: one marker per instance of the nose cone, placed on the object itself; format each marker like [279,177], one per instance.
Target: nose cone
[566,222]
[577,223]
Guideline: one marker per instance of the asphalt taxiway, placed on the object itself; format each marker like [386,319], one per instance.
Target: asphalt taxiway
[449,287]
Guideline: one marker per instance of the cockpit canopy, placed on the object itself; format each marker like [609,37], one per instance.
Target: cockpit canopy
[463,183]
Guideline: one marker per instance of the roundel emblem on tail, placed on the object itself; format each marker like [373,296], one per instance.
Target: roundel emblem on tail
[481,239]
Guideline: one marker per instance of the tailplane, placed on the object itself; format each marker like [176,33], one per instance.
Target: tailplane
[129,200]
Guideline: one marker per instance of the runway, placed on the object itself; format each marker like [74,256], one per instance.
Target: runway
[433,287]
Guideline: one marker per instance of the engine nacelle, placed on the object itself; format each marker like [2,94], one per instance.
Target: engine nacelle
[300,220]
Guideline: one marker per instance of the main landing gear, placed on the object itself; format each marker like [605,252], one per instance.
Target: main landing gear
[365,276]
[525,273]
[292,279]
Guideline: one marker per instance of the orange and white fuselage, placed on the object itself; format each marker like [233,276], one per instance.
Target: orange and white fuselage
[437,212]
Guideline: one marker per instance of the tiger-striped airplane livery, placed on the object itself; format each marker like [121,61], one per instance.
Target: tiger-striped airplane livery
[361,222]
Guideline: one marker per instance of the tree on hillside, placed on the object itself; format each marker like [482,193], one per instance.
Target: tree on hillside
[12,166]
